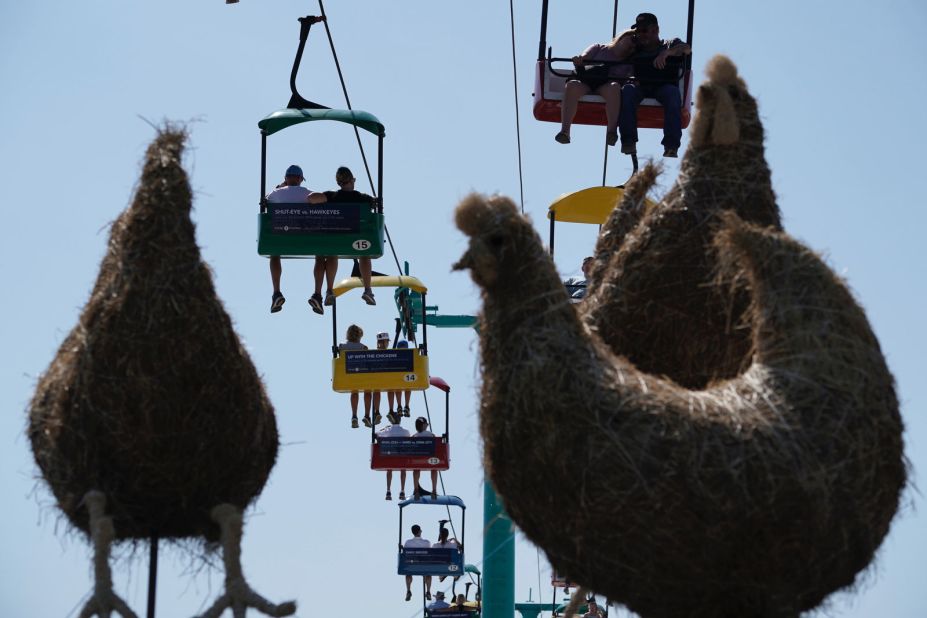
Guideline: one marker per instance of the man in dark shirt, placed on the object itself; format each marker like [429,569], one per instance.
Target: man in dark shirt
[653,80]
[327,266]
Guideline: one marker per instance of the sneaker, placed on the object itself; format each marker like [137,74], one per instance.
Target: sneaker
[329,298]
[368,297]
[611,139]
[367,422]
[377,419]
[628,148]
[402,495]
[408,595]
[405,411]
[354,422]
[671,152]
[562,138]
[276,302]
[315,301]
[389,496]
[393,417]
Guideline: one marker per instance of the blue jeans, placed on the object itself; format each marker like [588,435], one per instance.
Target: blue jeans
[669,98]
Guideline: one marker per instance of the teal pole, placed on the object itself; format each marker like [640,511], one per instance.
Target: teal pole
[498,558]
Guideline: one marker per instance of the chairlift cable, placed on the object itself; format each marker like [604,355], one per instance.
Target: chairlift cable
[614,34]
[347,99]
[360,145]
[521,187]
[540,594]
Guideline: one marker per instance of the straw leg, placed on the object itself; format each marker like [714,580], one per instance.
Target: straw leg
[103,602]
[238,595]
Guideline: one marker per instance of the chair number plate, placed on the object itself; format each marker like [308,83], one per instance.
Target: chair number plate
[361,245]
[433,461]
[410,377]
[452,567]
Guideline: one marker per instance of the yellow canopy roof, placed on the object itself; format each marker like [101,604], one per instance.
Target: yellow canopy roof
[591,205]
[394,281]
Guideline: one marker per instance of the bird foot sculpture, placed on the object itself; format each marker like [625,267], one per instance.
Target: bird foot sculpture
[104,601]
[238,594]
[572,610]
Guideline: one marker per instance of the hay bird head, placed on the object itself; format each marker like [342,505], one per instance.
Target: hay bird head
[500,239]
[726,114]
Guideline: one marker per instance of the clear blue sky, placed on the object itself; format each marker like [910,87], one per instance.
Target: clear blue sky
[840,87]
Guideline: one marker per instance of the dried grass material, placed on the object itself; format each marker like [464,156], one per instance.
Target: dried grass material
[758,496]
[654,304]
[152,399]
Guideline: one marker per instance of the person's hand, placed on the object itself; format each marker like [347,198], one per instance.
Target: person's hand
[660,60]
[281,185]
[577,60]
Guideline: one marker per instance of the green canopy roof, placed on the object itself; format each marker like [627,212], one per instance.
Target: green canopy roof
[283,118]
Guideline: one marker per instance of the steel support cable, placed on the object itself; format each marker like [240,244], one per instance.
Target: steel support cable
[360,145]
[614,34]
[347,100]
[521,187]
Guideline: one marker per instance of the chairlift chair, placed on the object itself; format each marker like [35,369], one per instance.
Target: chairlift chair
[411,453]
[396,369]
[435,561]
[550,85]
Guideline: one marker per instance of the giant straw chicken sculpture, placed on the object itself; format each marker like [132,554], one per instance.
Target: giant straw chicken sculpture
[716,416]
[151,420]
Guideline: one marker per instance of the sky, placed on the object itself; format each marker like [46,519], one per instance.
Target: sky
[83,83]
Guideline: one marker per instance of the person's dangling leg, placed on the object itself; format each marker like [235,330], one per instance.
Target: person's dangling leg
[611,92]
[573,91]
[669,97]
[631,96]
[331,270]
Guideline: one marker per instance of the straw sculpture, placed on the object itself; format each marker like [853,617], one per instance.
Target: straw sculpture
[749,466]
[151,399]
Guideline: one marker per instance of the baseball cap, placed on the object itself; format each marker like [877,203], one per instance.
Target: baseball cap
[383,336]
[294,170]
[643,20]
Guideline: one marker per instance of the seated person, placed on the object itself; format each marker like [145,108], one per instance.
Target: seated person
[417,542]
[328,265]
[353,342]
[287,192]
[421,431]
[394,396]
[382,344]
[439,602]
[653,80]
[602,80]
[395,431]
[446,543]
[576,286]
[593,609]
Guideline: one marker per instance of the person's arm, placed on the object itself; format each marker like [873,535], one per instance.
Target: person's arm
[679,49]
[583,57]
[316,197]
[624,48]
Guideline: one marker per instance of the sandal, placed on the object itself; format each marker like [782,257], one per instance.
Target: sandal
[354,422]
[563,137]
[367,422]
[402,495]
[393,417]
[405,411]
[389,496]
[377,418]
